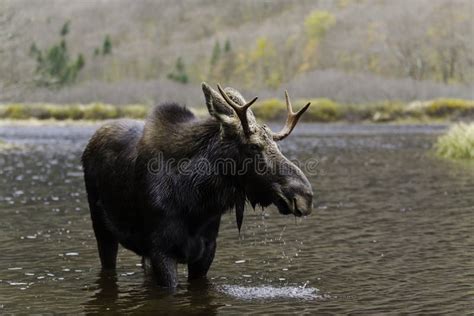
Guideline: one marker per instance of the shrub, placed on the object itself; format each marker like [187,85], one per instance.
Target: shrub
[387,111]
[59,112]
[15,111]
[457,143]
[100,111]
[135,111]
[322,110]
[449,107]
[40,112]
[270,109]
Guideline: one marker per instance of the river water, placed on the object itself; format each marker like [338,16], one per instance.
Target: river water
[391,232]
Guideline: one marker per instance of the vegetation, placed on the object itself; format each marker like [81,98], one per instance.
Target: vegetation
[93,111]
[457,143]
[179,72]
[321,110]
[54,66]
[347,50]
[325,110]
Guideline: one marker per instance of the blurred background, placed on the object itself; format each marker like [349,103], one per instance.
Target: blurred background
[122,52]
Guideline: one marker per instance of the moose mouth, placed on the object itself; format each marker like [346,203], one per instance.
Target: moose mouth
[287,207]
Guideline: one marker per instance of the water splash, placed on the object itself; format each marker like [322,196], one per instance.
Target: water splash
[270,292]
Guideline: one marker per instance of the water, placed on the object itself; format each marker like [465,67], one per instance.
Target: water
[391,233]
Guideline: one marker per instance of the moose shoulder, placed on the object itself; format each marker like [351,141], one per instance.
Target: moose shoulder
[159,188]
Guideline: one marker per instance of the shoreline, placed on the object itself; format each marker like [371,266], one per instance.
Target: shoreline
[82,122]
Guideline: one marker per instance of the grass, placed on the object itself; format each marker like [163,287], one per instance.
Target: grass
[325,110]
[457,143]
[321,110]
[93,111]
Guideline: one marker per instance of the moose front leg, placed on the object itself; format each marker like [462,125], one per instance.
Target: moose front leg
[198,269]
[164,269]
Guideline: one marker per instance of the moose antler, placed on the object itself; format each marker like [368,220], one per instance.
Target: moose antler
[291,119]
[240,110]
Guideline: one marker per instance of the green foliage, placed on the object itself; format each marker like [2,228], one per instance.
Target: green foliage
[15,112]
[179,72]
[107,46]
[446,107]
[269,109]
[93,111]
[100,111]
[216,53]
[386,111]
[457,143]
[65,29]
[227,46]
[135,111]
[317,23]
[323,110]
[54,67]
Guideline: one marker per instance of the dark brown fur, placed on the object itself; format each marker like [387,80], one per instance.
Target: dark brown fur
[165,215]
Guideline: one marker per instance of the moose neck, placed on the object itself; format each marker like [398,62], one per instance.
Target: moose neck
[199,143]
[218,187]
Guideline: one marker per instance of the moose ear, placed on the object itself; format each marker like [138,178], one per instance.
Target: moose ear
[216,105]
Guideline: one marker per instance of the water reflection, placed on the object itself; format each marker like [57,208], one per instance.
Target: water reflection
[196,298]
[105,297]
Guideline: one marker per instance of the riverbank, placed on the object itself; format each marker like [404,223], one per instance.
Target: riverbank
[322,110]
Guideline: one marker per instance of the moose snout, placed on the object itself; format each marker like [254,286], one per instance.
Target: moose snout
[295,199]
[303,204]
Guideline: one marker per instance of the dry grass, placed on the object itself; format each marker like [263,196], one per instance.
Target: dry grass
[321,110]
[457,143]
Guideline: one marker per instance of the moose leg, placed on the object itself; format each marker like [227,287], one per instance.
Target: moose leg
[107,244]
[164,269]
[198,269]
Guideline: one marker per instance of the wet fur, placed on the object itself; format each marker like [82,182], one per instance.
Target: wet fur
[167,217]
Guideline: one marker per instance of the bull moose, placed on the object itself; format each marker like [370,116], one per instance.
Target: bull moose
[172,215]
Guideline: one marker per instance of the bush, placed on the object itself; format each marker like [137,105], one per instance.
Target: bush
[322,110]
[457,143]
[270,109]
[15,111]
[100,111]
[449,107]
[387,111]
[134,111]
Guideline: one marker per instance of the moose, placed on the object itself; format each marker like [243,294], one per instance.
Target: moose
[172,215]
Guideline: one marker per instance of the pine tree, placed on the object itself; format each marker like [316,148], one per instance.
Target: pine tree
[216,53]
[54,67]
[107,46]
[227,46]
[179,73]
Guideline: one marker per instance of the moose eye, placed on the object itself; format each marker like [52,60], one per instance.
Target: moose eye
[254,147]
